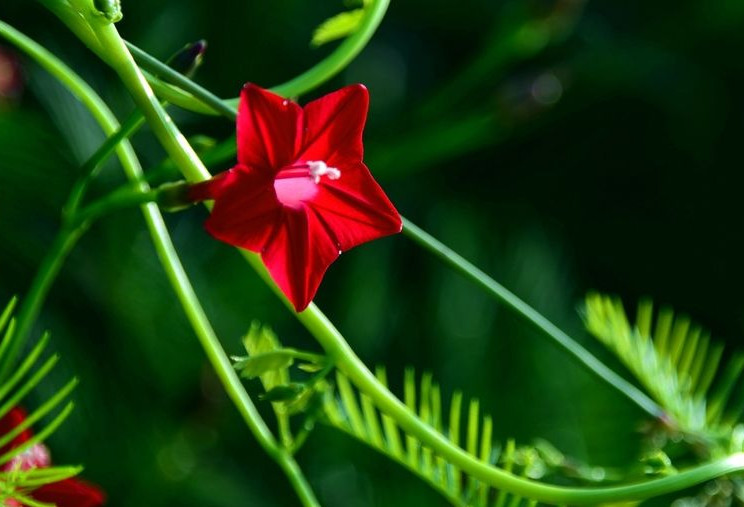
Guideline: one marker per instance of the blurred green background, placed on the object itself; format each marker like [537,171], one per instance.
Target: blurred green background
[561,145]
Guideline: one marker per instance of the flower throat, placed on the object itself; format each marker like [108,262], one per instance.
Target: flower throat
[299,182]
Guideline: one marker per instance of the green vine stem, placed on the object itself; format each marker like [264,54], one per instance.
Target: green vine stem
[501,293]
[446,254]
[339,350]
[170,261]
[342,56]
[178,79]
[93,165]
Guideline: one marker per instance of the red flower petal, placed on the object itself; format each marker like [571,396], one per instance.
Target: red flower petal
[298,255]
[266,129]
[355,209]
[333,126]
[70,493]
[9,422]
[246,211]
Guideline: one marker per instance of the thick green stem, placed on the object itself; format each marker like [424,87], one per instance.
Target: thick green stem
[169,258]
[161,123]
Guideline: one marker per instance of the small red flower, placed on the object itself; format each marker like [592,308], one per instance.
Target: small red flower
[300,193]
[65,493]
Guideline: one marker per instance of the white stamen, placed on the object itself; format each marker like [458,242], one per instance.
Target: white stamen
[319,168]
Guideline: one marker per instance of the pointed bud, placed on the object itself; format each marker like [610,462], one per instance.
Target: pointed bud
[109,9]
[189,58]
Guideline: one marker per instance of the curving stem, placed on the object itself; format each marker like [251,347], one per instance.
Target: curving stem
[171,263]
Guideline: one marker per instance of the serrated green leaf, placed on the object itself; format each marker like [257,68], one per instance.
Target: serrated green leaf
[254,366]
[337,27]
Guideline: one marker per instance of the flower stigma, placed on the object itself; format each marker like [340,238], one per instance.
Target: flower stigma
[298,182]
[319,168]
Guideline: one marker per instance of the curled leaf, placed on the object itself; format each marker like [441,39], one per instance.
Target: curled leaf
[337,27]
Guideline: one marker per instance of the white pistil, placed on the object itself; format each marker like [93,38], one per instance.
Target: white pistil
[318,168]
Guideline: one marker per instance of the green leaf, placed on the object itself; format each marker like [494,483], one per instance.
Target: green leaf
[260,364]
[337,27]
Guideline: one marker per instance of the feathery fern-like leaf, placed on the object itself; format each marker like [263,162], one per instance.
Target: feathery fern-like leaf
[355,413]
[675,361]
[17,484]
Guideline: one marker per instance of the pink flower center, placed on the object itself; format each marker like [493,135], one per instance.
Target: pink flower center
[297,183]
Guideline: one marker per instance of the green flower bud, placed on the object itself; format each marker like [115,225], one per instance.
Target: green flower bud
[189,58]
[109,9]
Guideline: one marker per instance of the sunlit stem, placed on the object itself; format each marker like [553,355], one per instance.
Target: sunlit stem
[168,257]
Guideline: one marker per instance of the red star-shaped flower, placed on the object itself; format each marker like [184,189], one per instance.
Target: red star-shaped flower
[300,193]
[65,493]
